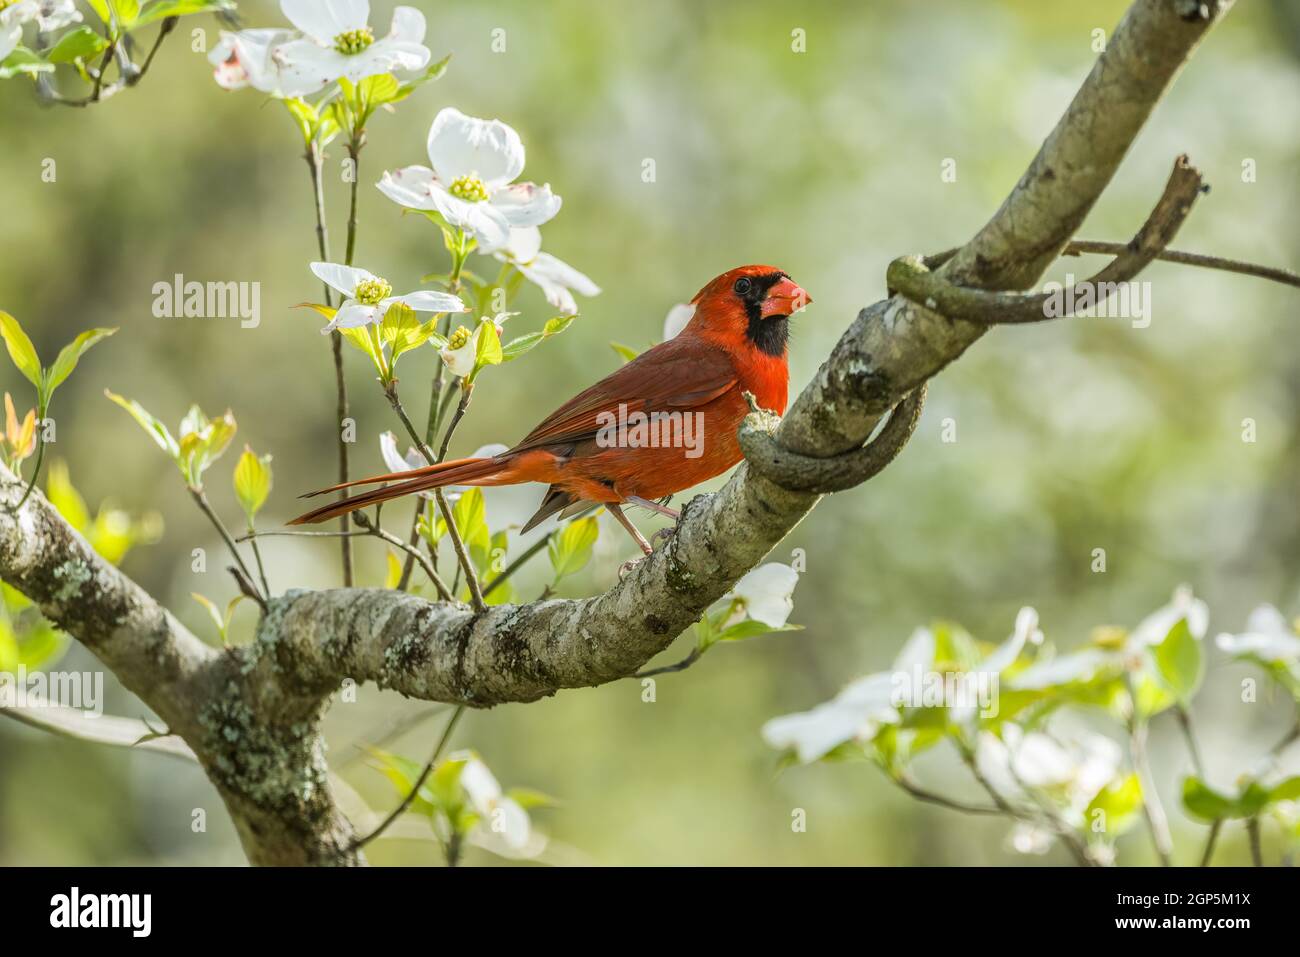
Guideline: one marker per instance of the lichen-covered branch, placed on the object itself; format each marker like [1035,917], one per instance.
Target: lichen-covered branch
[251,714]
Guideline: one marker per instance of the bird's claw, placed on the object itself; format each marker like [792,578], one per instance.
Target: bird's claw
[662,535]
[628,565]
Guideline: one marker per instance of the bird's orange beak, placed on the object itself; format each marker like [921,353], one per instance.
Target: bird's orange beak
[785,299]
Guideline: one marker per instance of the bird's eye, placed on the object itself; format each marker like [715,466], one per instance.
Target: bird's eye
[743,286]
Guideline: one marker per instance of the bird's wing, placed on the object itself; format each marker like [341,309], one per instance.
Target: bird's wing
[678,374]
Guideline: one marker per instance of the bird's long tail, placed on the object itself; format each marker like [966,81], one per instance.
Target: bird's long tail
[481,471]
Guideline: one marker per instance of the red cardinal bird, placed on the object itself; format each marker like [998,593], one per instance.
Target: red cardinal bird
[662,423]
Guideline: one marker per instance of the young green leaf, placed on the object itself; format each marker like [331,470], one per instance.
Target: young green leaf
[488,352]
[570,548]
[517,347]
[155,428]
[162,9]
[252,482]
[627,353]
[77,44]
[557,325]
[21,349]
[69,355]
[23,61]
[1180,662]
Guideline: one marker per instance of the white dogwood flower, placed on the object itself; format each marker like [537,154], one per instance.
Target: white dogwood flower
[765,593]
[501,814]
[556,278]
[56,14]
[12,18]
[460,354]
[339,43]
[472,183]
[367,296]
[245,59]
[1268,637]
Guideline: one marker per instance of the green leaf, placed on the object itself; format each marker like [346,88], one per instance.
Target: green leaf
[121,12]
[570,548]
[252,482]
[65,498]
[213,613]
[517,347]
[627,353]
[527,798]
[1179,661]
[180,8]
[77,44]
[488,352]
[470,515]
[23,61]
[428,76]
[751,628]
[156,429]
[69,355]
[21,349]
[1118,804]
[1288,790]
[1204,802]
[403,773]
[557,325]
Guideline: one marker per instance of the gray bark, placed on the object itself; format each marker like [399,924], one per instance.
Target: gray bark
[251,715]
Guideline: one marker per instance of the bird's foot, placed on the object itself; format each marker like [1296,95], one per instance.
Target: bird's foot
[662,536]
[628,565]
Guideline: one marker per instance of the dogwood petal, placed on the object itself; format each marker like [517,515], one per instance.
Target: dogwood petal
[526,204]
[392,458]
[411,186]
[461,145]
[55,14]
[326,19]
[9,39]
[245,59]
[427,300]
[343,278]
[353,315]
[677,319]
[305,67]
[408,25]
[766,593]
[555,278]
[384,57]
[482,220]
[524,244]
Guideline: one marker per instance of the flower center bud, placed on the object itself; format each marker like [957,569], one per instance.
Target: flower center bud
[469,188]
[459,338]
[371,292]
[354,41]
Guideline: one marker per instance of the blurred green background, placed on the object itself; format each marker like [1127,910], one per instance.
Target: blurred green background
[1070,436]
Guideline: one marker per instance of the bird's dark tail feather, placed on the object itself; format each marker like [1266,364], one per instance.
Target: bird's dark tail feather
[479,471]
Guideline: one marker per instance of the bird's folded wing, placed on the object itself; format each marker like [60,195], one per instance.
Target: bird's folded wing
[681,373]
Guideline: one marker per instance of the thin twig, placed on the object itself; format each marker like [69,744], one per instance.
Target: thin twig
[682,665]
[1211,842]
[1185,723]
[1256,851]
[1152,809]
[201,500]
[929,797]
[257,554]
[1285,276]
[378,532]
[419,783]
[315,163]
[458,544]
